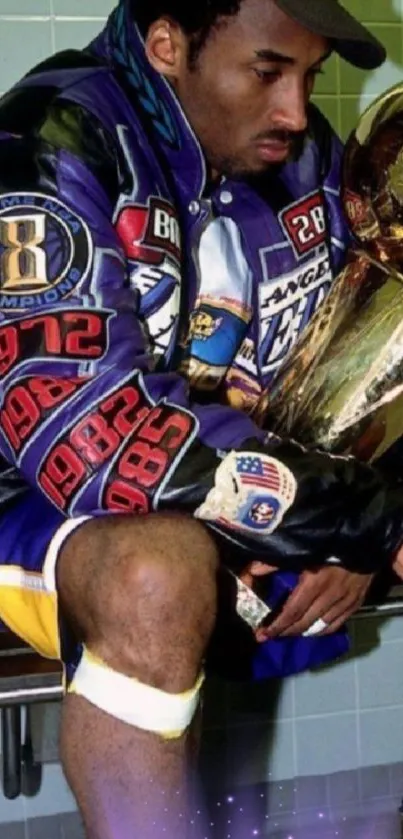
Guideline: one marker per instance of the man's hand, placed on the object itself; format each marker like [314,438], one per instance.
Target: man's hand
[256,569]
[330,593]
[398,564]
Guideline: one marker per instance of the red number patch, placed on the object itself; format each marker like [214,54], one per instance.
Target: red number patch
[29,403]
[146,459]
[153,435]
[78,335]
[305,224]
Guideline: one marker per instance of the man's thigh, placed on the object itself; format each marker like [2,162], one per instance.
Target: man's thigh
[31,536]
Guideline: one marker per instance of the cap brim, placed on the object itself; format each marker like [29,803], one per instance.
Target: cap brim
[347,35]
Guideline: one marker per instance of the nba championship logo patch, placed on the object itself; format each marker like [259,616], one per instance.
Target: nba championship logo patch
[252,493]
[45,251]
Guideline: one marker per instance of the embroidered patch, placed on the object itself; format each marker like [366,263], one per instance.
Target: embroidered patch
[46,250]
[252,493]
[150,232]
[304,223]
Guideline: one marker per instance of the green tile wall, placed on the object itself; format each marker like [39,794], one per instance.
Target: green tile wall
[343,92]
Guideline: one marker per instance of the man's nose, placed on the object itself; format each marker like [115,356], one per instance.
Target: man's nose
[290,112]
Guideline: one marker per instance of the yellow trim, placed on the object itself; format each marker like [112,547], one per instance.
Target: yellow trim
[33,615]
[225,304]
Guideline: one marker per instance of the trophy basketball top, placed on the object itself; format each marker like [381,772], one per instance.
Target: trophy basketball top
[373,180]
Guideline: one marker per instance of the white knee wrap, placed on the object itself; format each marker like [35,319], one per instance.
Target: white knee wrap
[132,702]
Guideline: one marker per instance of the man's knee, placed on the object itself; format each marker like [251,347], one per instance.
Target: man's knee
[142,593]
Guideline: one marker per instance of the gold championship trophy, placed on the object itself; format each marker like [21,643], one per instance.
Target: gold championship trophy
[341,388]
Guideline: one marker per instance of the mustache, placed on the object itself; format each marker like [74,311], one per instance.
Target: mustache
[280,136]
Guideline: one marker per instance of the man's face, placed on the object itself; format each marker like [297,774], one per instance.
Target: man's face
[247,94]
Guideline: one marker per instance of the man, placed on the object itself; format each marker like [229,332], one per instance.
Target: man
[141,181]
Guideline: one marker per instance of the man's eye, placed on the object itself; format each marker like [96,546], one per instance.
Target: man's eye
[268,75]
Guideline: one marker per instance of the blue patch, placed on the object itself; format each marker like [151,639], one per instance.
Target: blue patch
[46,250]
[263,512]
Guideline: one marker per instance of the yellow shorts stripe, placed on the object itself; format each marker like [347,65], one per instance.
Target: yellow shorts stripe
[30,610]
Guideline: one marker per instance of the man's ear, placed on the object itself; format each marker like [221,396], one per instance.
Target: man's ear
[166,48]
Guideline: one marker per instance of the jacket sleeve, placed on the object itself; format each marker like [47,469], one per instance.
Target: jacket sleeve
[85,415]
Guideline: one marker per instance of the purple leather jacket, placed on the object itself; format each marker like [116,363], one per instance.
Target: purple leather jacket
[140,320]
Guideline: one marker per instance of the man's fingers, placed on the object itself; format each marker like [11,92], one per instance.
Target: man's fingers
[299,627]
[298,606]
[336,624]
[256,569]
[398,564]
[260,569]
[333,617]
[246,578]
[319,611]
[330,594]
[340,614]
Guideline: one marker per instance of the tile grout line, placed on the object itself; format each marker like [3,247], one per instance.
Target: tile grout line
[52,26]
[358,729]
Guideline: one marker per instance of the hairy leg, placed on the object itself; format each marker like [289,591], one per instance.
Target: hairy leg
[141,594]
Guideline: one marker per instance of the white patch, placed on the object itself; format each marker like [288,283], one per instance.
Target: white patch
[251,494]
[246,357]
[287,303]
[160,292]
[223,269]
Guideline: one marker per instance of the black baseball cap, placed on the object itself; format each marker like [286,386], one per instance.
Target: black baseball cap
[348,37]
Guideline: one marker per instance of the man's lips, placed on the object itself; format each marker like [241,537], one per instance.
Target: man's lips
[274,149]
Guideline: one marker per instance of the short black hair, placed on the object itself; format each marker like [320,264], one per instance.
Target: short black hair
[196,17]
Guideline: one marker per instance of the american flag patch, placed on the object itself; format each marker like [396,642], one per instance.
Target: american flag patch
[252,492]
[266,473]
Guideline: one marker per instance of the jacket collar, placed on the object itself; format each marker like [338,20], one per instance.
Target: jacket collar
[122,46]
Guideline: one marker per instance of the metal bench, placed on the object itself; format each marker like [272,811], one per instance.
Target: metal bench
[27,679]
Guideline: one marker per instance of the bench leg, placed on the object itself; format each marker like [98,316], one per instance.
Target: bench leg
[31,770]
[12,751]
